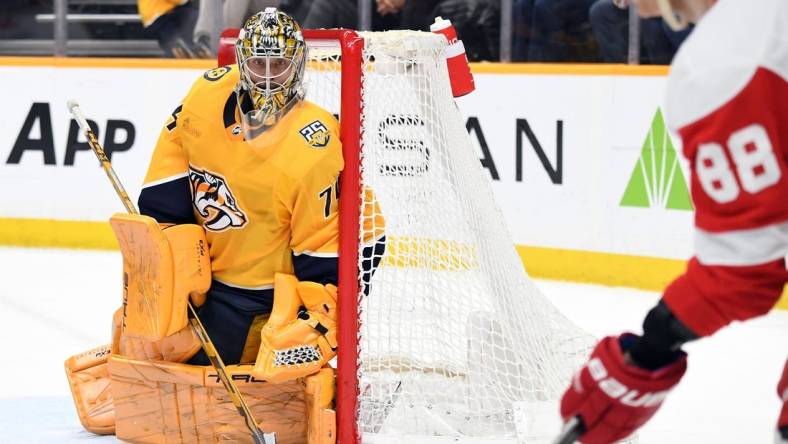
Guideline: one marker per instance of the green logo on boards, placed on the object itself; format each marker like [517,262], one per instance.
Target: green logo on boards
[657,180]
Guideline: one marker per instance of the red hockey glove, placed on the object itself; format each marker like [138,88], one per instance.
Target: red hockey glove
[782,422]
[614,398]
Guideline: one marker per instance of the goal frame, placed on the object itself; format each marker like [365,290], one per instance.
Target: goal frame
[540,345]
[351,47]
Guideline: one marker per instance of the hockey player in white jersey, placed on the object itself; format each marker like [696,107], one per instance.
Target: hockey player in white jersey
[728,100]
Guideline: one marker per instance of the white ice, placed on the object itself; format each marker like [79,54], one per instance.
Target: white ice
[55,303]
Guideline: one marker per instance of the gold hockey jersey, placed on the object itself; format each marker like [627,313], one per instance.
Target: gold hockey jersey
[265,209]
[150,10]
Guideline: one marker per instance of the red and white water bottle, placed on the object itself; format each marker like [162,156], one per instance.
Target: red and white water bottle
[460,74]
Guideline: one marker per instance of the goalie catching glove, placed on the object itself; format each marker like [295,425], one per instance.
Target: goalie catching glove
[300,337]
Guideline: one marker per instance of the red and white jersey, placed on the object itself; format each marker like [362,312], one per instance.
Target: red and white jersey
[728,99]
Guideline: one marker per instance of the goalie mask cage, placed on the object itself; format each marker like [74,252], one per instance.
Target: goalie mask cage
[448,337]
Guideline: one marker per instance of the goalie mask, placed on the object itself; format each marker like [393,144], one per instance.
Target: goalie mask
[271,55]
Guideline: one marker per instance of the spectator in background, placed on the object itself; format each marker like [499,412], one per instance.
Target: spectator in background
[659,42]
[610,23]
[344,14]
[522,17]
[477,21]
[18,19]
[478,25]
[416,15]
[298,9]
[172,23]
[237,11]
[561,32]
[229,14]
[313,14]
[331,14]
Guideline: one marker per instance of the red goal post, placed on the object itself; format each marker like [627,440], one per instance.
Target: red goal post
[351,47]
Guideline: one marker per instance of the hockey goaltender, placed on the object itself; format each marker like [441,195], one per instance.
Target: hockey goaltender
[234,210]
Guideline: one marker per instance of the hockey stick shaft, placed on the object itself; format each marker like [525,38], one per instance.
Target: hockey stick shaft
[571,431]
[232,390]
[73,107]
[199,330]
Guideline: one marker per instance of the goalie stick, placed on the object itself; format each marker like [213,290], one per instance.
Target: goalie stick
[210,350]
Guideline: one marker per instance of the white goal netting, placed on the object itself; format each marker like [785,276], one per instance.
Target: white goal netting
[455,340]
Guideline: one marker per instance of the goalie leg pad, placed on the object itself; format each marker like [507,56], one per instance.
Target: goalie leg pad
[161,269]
[296,345]
[177,347]
[169,402]
[322,419]
[88,378]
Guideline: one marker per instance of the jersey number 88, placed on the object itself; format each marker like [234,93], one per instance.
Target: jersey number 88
[753,156]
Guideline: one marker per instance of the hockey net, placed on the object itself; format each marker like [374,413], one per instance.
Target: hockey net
[449,337]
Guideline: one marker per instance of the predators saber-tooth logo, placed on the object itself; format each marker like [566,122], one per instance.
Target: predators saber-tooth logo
[214,201]
[316,134]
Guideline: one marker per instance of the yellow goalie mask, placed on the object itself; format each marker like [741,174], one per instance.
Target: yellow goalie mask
[271,55]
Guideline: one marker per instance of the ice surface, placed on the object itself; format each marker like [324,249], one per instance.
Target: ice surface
[55,303]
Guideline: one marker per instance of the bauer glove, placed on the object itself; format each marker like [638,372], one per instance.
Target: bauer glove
[782,421]
[613,398]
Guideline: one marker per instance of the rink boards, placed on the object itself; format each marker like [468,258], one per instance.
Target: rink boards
[592,186]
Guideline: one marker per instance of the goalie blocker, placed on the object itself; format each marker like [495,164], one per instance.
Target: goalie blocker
[137,386]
